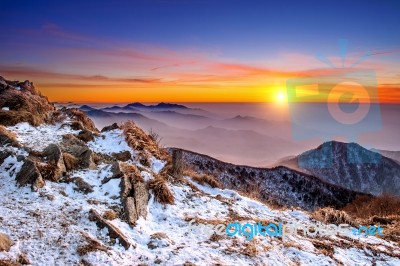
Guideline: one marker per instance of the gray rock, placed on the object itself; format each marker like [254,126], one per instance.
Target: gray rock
[130,210]
[30,174]
[141,195]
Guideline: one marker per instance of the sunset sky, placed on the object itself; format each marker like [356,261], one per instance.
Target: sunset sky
[194,51]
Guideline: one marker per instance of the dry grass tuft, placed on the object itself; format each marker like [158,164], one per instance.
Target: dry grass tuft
[249,249]
[8,134]
[110,215]
[332,216]
[70,161]
[80,116]
[132,172]
[92,245]
[48,171]
[140,141]
[207,179]
[161,191]
[202,179]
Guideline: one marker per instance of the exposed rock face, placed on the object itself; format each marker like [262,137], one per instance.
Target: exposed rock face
[54,156]
[5,242]
[30,174]
[24,104]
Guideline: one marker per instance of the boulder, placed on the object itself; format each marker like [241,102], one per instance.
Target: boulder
[122,156]
[5,242]
[30,174]
[111,127]
[83,154]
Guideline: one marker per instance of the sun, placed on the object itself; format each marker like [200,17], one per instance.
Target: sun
[281,97]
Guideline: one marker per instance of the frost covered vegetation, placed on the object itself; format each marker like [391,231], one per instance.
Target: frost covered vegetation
[74,195]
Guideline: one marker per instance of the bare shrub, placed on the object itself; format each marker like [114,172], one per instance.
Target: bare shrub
[155,136]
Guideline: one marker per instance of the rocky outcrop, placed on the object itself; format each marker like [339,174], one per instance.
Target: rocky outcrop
[22,102]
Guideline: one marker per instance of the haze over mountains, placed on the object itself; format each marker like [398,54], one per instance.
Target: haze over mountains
[251,134]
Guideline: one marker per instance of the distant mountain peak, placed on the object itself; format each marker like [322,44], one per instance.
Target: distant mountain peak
[169,105]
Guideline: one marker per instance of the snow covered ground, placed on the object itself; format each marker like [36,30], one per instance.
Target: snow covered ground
[49,225]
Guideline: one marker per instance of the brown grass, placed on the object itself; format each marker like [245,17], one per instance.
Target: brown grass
[202,179]
[10,118]
[48,171]
[132,172]
[110,215]
[9,134]
[383,210]
[161,191]
[25,107]
[207,179]
[70,161]
[140,141]
[367,206]
[92,245]
[249,248]
[332,216]
[80,116]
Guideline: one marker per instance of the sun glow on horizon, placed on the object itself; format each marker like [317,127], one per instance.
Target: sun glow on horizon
[281,97]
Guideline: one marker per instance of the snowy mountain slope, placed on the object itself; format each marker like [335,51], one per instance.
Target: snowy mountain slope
[279,185]
[51,225]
